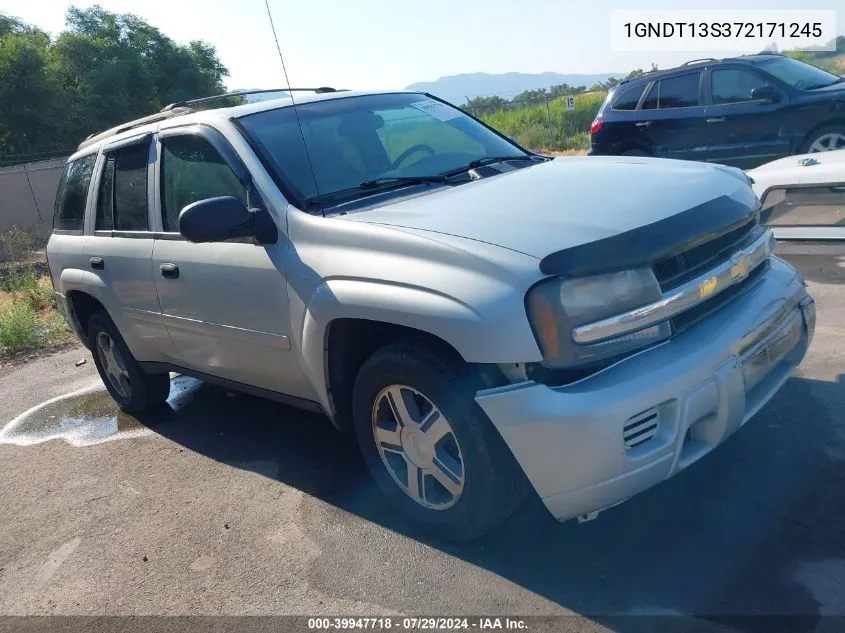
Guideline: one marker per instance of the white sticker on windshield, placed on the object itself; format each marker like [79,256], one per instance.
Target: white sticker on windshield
[438,110]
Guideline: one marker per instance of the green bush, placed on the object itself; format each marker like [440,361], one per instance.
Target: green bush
[27,286]
[18,327]
[57,330]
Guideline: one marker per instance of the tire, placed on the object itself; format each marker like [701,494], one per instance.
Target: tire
[492,483]
[139,391]
[827,138]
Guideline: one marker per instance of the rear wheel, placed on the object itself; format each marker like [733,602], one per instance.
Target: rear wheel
[825,139]
[132,388]
[429,446]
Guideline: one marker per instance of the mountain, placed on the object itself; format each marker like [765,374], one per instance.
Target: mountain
[458,87]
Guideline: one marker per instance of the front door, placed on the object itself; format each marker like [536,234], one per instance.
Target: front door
[744,131]
[224,304]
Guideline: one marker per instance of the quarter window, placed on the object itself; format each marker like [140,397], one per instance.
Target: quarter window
[628,99]
[192,170]
[69,214]
[731,85]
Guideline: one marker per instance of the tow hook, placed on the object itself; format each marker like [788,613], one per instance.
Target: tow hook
[590,516]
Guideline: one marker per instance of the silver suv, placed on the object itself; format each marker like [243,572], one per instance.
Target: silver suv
[488,321]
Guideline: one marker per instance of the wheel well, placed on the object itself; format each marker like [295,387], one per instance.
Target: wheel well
[83,306]
[820,126]
[349,343]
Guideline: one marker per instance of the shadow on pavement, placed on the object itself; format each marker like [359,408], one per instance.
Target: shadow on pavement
[729,536]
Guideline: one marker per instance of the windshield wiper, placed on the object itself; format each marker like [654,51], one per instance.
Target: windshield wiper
[383,183]
[399,180]
[487,160]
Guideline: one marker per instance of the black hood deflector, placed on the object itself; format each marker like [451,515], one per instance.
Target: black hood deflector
[647,244]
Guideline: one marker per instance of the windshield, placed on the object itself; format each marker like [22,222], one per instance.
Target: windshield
[351,140]
[798,74]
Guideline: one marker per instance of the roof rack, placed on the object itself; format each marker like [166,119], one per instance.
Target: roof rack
[184,107]
[699,61]
[123,127]
[241,93]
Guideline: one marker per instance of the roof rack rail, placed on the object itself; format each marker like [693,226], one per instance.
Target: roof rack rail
[123,127]
[185,107]
[699,61]
[241,93]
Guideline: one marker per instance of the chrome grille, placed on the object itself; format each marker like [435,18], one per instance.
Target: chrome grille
[673,271]
[640,428]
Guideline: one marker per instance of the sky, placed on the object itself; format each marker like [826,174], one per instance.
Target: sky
[375,44]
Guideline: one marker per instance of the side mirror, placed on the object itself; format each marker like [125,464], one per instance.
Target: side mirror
[223,218]
[765,93]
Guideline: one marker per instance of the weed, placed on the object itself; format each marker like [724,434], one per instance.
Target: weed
[17,243]
[19,328]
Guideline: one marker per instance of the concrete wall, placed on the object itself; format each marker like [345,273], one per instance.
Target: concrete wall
[27,194]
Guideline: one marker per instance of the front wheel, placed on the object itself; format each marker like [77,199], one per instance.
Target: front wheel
[429,446]
[132,388]
[826,139]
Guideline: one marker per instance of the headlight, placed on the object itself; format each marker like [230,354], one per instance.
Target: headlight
[558,305]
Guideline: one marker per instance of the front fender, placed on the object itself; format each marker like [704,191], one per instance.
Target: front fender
[476,336]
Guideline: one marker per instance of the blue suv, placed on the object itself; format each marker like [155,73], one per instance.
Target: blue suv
[742,111]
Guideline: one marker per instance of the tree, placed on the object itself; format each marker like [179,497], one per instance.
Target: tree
[104,69]
[26,115]
[486,104]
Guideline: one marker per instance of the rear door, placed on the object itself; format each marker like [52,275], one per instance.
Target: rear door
[672,120]
[120,246]
[744,132]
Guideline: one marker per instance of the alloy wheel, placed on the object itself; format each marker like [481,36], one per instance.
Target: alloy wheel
[113,365]
[418,447]
[828,142]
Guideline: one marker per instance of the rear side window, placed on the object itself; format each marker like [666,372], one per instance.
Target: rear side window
[122,199]
[628,99]
[69,214]
[674,92]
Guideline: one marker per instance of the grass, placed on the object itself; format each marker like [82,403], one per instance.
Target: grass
[553,127]
[29,318]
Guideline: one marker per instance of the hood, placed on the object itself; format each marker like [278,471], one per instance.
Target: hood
[837,88]
[565,202]
[802,169]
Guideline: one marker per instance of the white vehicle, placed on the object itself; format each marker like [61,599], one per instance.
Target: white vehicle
[487,321]
[803,197]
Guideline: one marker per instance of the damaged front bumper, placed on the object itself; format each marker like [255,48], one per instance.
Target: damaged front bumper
[595,443]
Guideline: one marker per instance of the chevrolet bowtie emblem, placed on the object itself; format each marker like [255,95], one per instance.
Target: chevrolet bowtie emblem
[739,269]
[708,287]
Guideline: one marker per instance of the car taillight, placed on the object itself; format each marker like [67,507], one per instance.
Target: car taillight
[596,126]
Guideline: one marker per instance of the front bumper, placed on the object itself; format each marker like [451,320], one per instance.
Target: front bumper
[574,442]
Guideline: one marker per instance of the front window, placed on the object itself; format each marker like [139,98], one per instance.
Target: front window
[351,140]
[798,74]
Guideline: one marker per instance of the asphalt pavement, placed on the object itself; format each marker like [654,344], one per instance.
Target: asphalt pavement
[229,504]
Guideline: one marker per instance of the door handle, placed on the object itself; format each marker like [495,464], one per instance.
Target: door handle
[716,119]
[169,271]
[97,263]
[643,123]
